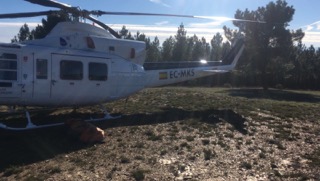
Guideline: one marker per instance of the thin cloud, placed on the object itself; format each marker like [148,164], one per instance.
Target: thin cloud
[18,24]
[162,23]
[165,31]
[309,28]
[206,25]
[312,26]
[312,34]
[160,2]
[312,38]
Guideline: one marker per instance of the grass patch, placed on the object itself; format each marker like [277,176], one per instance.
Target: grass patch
[163,152]
[152,136]
[205,142]
[40,177]
[246,165]
[208,154]
[139,157]
[78,161]
[12,170]
[278,143]
[190,138]
[222,144]
[124,159]
[139,145]
[54,169]
[262,155]
[314,157]
[139,174]
[185,145]
[297,176]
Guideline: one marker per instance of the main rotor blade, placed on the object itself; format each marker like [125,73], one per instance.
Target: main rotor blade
[217,18]
[106,27]
[221,18]
[26,14]
[74,11]
[51,3]
[99,13]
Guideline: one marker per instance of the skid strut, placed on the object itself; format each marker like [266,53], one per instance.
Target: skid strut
[30,125]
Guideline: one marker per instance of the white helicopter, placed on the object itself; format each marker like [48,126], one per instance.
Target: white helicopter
[79,64]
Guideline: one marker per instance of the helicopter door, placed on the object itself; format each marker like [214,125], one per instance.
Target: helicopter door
[79,80]
[10,82]
[42,79]
[70,84]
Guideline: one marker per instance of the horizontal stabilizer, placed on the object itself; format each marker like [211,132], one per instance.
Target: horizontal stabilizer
[216,71]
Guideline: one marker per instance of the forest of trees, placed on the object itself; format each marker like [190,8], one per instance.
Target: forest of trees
[274,55]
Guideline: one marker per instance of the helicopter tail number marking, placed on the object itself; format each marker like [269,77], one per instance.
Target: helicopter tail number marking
[163,75]
[176,74]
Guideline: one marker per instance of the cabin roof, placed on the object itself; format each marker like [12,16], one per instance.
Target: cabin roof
[67,28]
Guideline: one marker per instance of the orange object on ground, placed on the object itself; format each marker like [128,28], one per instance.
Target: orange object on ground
[88,133]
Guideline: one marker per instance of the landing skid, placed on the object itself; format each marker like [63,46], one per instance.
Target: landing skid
[30,125]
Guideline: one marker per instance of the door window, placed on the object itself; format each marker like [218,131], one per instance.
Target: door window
[42,68]
[98,71]
[71,70]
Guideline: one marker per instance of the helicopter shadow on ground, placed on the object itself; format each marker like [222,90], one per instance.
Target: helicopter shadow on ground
[210,116]
[274,94]
[26,147]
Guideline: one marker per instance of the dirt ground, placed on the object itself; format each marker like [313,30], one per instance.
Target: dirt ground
[176,133]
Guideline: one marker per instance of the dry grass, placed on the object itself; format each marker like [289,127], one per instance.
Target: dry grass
[176,133]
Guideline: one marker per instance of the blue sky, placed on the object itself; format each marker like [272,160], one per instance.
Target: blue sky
[306,16]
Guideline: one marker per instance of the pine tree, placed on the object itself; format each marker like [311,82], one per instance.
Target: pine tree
[167,49]
[24,34]
[268,41]
[180,46]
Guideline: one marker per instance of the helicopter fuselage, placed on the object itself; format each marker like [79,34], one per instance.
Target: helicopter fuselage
[79,64]
[76,64]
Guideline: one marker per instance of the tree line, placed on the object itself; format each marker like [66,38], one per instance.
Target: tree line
[181,47]
[274,55]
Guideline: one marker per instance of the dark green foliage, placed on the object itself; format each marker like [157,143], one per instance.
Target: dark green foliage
[190,138]
[24,34]
[124,159]
[246,165]
[314,157]
[153,52]
[138,175]
[268,44]
[205,142]
[180,47]
[41,30]
[208,154]
[125,34]
[12,170]
[152,136]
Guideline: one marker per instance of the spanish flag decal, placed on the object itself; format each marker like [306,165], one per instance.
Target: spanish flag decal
[163,75]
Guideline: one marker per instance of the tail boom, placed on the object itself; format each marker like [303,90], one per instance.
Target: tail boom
[159,74]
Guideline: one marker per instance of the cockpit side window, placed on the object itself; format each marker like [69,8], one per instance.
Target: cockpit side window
[8,67]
